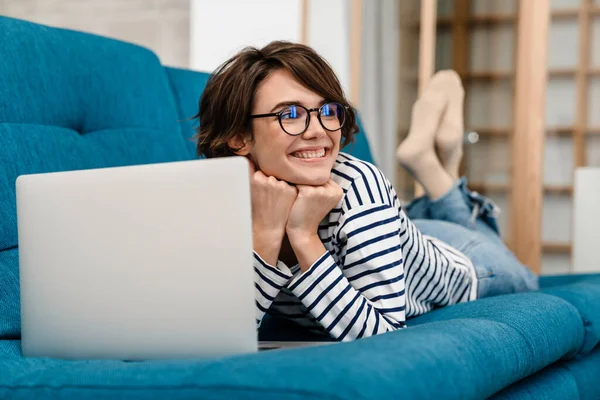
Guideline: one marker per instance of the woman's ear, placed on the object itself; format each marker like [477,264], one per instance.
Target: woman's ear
[240,144]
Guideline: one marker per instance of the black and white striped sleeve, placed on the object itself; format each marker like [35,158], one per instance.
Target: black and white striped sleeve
[268,281]
[365,294]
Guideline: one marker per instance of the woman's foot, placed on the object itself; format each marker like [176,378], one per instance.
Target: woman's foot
[417,152]
[426,117]
[449,138]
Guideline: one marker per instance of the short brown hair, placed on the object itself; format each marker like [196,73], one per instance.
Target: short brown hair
[227,101]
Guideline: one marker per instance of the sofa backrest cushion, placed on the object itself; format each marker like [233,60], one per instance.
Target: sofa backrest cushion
[71,100]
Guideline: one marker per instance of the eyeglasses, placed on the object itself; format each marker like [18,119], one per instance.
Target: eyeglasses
[295,119]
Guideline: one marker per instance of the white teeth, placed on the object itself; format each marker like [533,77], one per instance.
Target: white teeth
[309,154]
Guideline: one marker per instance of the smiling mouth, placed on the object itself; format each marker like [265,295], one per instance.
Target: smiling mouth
[309,155]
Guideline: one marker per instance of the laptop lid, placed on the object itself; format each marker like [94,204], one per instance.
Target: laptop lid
[138,262]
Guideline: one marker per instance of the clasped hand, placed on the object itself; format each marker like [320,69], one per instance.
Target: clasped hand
[279,208]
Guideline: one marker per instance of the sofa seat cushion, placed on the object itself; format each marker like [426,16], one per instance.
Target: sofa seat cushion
[462,358]
[585,296]
[586,372]
[567,380]
[552,326]
[551,383]
[561,280]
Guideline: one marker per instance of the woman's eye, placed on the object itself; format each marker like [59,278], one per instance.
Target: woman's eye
[328,111]
[290,113]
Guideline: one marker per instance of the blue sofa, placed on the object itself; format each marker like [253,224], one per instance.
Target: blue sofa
[70,100]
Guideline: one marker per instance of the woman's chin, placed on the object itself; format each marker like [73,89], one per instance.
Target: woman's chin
[311,180]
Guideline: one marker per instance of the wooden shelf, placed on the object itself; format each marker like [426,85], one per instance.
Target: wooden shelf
[574,12]
[492,132]
[593,130]
[503,18]
[485,187]
[550,131]
[488,75]
[489,19]
[565,13]
[566,130]
[559,130]
[594,71]
[556,248]
[501,75]
[562,72]
[558,189]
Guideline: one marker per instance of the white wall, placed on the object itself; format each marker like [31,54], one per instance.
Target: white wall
[329,34]
[160,25]
[218,29]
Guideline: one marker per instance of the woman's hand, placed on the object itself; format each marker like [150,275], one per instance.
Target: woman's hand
[272,201]
[311,206]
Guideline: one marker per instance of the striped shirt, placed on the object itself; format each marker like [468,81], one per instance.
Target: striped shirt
[377,271]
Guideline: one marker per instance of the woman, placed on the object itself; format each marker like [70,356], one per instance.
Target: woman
[334,250]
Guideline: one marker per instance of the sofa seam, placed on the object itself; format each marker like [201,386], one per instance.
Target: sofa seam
[76,131]
[165,387]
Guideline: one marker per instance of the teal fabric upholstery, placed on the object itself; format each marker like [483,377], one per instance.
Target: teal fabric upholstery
[551,326]
[457,359]
[586,372]
[552,383]
[569,380]
[187,86]
[10,307]
[560,280]
[73,101]
[585,296]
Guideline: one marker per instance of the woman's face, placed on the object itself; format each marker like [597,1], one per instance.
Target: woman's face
[306,159]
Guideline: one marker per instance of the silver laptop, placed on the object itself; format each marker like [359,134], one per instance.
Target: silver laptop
[137,262]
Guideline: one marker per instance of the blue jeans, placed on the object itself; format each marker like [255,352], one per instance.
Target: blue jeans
[467,221]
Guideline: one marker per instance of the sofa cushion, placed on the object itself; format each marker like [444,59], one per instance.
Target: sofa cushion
[549,384]
[586,371]
[569,380]
[72,100]
[457,359]
[585,296]
[552,326]
[561,280]
[10,348]
[187,87]
[10,319]
[69,101]
[484,347]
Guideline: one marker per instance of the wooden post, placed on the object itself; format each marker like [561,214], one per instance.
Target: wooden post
[304,10]
[528,140]
[427,42]
[460,37]
[460,54]
[355,50]
[581,84]
[426,52]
